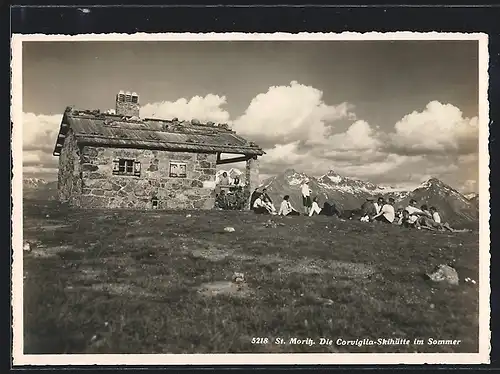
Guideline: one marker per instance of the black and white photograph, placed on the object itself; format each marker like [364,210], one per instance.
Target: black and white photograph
[233,198]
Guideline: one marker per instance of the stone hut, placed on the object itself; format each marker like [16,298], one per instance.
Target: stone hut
[122,161]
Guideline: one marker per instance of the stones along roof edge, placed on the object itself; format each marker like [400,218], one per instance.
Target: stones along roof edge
[111,130]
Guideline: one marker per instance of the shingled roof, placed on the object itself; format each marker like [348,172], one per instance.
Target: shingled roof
[109,130]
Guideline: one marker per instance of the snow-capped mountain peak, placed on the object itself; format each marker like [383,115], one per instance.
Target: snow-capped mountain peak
[34,182]
[471,195]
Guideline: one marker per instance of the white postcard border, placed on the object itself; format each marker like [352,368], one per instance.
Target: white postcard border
[19,358]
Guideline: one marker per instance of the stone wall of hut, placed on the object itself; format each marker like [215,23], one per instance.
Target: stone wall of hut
[153,187]
[69,176]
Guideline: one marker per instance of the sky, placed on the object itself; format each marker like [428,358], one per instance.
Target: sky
[391,112]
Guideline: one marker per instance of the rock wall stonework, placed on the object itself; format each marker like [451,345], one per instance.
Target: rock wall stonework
[102,189]
[69,178]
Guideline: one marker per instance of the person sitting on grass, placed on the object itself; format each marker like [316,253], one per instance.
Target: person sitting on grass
[378,205]
[286,209]
[267,200]
[386,214]
[329,210]
[221,201]
[368,210]
[254,196]
[314,207]
[406,221]
[398,216]
[259,207]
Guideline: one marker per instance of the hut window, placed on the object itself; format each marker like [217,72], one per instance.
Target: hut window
[154,202]
[126,167]
[178,170]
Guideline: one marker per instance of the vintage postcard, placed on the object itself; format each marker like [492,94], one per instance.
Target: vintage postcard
[205,199]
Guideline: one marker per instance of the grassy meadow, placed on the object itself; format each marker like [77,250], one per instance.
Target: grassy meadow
[129,281]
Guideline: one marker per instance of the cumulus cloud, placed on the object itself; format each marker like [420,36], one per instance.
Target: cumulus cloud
[208,108]
[286,114]
[439,128]
[359,136]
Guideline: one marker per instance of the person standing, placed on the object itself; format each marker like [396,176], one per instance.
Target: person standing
[306,196]
[224,180]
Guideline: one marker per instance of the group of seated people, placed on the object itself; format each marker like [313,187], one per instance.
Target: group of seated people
[229,195]
[261,203]
[410,217]
[380,211]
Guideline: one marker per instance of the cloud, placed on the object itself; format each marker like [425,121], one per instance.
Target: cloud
[359,136]
[39,135]
[287,114]
[470,185]
[439,128]
[204,109]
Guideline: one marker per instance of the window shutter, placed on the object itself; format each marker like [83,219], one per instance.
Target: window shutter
[137,168]
[115,166]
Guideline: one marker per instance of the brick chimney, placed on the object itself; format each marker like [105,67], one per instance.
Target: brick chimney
[127,104]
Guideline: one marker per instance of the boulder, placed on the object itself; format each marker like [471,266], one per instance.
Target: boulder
[444,273]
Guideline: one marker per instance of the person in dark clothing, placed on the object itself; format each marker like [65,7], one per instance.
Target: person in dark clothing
[254,196]
[265,196]
[221,201]
[368,209]
[329,210]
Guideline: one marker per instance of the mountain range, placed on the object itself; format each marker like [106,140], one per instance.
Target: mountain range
[39,189]
[346,193]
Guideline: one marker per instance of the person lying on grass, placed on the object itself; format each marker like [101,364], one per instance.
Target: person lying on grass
[286,208]
[386,214]
[315,209]
[435,222]
[259,207]
[414,212]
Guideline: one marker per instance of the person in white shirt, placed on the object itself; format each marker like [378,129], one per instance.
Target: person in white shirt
[435,215]
[386,214]
[224,180]
[306,196]
[259,207]
[314,207]
[286,209]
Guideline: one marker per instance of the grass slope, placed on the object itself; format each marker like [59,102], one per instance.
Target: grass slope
[128,281]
